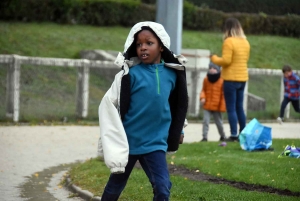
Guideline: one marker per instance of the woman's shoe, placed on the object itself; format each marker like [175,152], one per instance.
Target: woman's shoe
[232,139]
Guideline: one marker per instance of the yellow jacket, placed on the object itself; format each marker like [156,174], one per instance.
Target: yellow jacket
[235,55]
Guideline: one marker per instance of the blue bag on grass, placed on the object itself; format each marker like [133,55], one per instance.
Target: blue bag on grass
[255,136]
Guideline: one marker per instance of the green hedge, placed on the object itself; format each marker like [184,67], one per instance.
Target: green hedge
[94,12]
[205,19]
[129,12]
[271,7]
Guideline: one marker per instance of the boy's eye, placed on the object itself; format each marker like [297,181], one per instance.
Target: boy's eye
[150,43]
[138,44]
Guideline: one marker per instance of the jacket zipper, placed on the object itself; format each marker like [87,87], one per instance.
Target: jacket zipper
[157,79]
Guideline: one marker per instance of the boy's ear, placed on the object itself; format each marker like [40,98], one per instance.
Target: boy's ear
[161,48]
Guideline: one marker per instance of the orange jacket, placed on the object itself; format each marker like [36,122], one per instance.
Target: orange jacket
[213,95]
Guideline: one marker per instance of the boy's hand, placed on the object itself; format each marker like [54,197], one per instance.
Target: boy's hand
[202,101]
[181,139]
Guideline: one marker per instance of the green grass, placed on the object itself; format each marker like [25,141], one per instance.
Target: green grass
[66,41]
[61,41]
[230,163]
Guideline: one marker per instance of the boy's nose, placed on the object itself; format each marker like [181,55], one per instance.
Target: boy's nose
[143,46]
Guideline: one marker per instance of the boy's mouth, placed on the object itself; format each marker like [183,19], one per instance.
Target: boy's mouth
[144,56]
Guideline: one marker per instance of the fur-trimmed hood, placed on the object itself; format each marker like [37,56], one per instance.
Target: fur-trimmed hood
[164,37]
[156,27]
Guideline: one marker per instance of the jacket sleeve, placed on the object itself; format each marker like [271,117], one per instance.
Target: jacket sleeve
[227,52]
[112,134]
[178,104]
[202,93]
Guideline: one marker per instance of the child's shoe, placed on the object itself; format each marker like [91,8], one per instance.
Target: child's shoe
[222,138]
[204,140]
[279,120]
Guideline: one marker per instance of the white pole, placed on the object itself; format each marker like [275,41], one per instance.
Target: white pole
[16,81]
[169,14]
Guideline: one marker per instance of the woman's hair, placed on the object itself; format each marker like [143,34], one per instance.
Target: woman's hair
[233,28]
[166,55]
[286,68]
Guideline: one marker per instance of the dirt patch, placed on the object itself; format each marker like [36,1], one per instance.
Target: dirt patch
[199,176]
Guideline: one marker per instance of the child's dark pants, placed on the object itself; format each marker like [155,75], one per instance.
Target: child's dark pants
[284,103]
[155,167]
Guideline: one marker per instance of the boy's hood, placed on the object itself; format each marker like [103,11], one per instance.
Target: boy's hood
[157,28]
[163,36]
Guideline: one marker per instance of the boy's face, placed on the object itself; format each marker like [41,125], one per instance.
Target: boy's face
[287,74]
[148,48]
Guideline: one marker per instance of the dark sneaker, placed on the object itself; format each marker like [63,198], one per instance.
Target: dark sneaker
[222,138]
[204,140]
[232,139]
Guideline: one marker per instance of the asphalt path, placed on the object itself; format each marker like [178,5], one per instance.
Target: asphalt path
[42,154]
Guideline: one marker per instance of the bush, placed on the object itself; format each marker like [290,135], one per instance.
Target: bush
[197,18]
[129,12]
[94,12]
[271,7]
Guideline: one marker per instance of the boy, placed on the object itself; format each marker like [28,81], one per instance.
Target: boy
[291,91]
[142,115]
[212,99]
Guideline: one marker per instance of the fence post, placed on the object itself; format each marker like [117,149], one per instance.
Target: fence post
[13,89]
[196,69]
[287,109]
[195,81]
[82,90]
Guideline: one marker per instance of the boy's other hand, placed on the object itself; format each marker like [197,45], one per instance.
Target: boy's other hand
[202,101]
[181,139]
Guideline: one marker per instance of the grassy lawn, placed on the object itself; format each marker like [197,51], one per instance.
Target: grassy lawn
[229,163]
[66,41]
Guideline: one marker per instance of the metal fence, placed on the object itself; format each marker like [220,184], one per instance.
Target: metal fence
[35,88]
[52,89]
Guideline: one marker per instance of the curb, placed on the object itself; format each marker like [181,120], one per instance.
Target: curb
[84,194]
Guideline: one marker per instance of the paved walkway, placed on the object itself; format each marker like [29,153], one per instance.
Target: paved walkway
[26,150]
[287,130]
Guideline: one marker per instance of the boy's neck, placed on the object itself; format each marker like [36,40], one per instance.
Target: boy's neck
[161,62]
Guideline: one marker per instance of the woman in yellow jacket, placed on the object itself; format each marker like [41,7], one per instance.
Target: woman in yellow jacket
[234,59]
[212,99]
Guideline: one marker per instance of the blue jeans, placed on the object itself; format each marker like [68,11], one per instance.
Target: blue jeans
[234,98]
[155,166]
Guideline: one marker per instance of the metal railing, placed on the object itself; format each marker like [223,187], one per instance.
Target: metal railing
[13,79]
[262,79]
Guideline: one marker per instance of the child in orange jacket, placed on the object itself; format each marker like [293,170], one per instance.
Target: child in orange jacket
[212,100]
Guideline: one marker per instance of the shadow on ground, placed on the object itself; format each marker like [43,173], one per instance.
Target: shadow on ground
[198,176]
